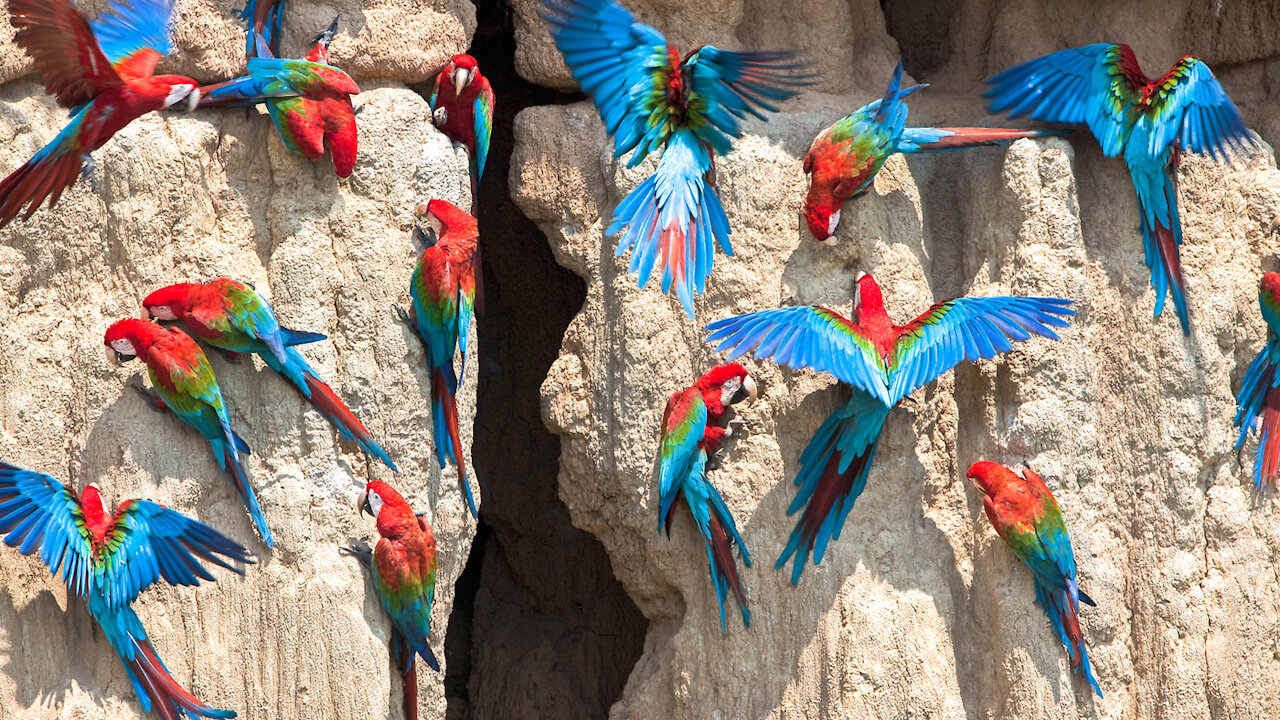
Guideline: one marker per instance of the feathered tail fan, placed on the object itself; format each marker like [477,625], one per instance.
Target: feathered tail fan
[1066,622]
[720,534]
[228,455]
[329,405]
[444,420]
[1259,396]
[169,699]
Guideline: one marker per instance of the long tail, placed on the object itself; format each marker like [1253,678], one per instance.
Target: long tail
[1260,396]
[50,171]
[228,456]
[672,219]
[921,140]
[444,420]
[833,473]
[1161,236]
[1066,621]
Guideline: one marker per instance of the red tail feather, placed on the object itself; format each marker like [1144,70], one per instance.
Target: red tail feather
[168,698]
[33,182]
[970,136]
[722,551]
[410,682]
[1169,255]
[1071,623]
[831,489]
[1271,431]
[449,404]
[328,404]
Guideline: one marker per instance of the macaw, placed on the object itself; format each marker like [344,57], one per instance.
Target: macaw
[443,288]
[1150,121]
[265,19]
[883,363]
[1026,516]
[308,100]
[844,159]
[184,382]
[403,565]
[102,72]
[107,560]
[650,99]
[462,108]
[233,317]
[692,429]
[1259,394]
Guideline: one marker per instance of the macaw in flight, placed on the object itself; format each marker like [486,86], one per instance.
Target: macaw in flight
[692,429]
[462,109]
[688,109]
[1151,121]
[102,72]
[844,159]
[883,363]
[1259,395]
[107,560]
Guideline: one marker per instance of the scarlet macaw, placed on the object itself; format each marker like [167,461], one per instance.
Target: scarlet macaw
[462,108]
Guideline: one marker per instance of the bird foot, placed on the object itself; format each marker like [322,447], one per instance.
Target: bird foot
[737,427]
[716,460]
[86,172]
[406,317]
[359,551]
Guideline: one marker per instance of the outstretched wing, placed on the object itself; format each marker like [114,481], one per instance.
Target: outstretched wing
[725,85]
[973,328]
[683,423]
[134,35]
[1189,106]
[812,337]
[37,511]
[71,65]
[1095,85]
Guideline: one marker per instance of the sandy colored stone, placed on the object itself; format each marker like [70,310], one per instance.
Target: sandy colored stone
[189,197]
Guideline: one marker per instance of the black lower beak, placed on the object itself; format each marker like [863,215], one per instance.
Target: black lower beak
[424,238]
[122,358]
[326,37]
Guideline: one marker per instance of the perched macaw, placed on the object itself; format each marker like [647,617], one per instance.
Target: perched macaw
[184,381]
[650,99]
[443,289]
[883,363]
[233,317]
[404,576]
[1150,120]
[845,158]
[1259,394]
[1027,518]
[103,73]
[308,100]
[108,560]
[265,18]
[692,429]
[462,108]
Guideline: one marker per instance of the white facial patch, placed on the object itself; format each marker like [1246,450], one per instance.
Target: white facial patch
[123,346]
[833,222]
[375,503]
[178,92]
[729,389]
[435,224]
[163,312]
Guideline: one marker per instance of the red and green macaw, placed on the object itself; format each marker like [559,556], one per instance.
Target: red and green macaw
[462,108]
[443,288]
[651,99]
[107,560]
[845,158]
[1151,121]
[265,19]
[102,72]
[883,363]
[1259,394]
[184,381]
[308,100]
[404,576]
[232,316]
[692,429]
[1027,518]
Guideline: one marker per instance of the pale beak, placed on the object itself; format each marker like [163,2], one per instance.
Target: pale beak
[753,391]
[193,99]
[461,78]
[112,357]
[362,504]
[859,276]
[146,314]
[421,209]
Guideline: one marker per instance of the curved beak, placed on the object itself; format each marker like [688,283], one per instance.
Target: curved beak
[753,390]
[326,37]
[193,99]
[362,504]
[461,78]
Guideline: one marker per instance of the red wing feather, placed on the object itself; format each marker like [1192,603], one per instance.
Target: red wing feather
[55,35]
[33,182]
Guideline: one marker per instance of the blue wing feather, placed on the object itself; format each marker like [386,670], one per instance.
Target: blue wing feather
[128,27]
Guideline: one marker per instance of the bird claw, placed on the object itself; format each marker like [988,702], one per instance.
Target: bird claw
[359,551]
[86,172]
[404,317]
[716,460]
[736,425]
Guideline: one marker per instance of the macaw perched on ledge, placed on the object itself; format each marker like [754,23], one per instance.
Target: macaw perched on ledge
[108,560]
[692,429]
[883,363]
[1150,121]
[102,72]
[462,109]
[845,158]
[651,99]
[1026,516]
[1259,394]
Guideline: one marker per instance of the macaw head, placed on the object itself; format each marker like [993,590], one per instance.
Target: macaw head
[462,70]
[444,217]
[990,477]
[822,219]
[175,89]
[727,384]
[169,303]
[867,299]
[387,506]
[130,338]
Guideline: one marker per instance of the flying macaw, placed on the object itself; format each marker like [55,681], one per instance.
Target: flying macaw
[1150,121]
[265,19]
[443,289]
[692,429]
[108,560]
[184,382]
[462,108]
[102,72]
[403,566]
[233,317]
[845,158]
[1027,518]
[308,100]
[650,99]
[883,363]
[1260,390]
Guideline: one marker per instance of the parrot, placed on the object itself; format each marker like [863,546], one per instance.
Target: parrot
[107,560]
[462,108]
[1026,516]
[185,384]
[692,429]
[883,363]
[443,288]
[233,317]
[1260,390]
[265,19]
[308,100]
[1150,121]
[403,565]
[651,99]
[844,159]
[102,72]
